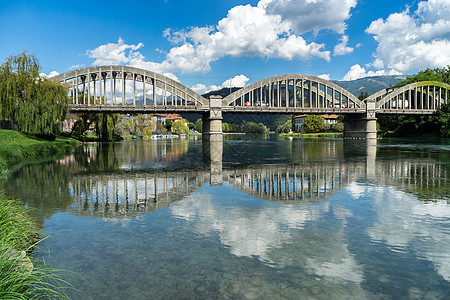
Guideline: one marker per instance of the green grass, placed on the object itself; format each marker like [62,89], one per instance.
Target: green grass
[18,149]
[21,276]
[313,135]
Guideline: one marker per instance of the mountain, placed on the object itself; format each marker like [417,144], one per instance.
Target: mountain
[369,84]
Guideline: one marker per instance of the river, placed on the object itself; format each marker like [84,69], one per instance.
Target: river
[264,218]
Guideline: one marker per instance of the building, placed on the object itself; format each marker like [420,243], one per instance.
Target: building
[174,117]
[298,121]
[159,118]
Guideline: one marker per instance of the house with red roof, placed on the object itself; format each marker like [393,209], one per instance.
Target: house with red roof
[298,121]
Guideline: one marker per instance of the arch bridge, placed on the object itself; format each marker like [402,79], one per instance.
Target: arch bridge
[122,89]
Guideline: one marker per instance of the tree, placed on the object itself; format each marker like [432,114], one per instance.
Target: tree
[191,126]
[180,127]
[33,103]
[416,125]
[122,126]
[225,127]
[363,95]
[286,127]
[169,125]
[437,74]
[313,124]
[443,119]
[142,125]
[199,125]
[255,128]
[160,129]
[103,124]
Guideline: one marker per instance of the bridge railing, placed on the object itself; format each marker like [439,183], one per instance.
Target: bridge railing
[291,93]
[127,86]
[416,98]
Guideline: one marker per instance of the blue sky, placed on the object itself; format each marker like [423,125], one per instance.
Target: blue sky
[207,44]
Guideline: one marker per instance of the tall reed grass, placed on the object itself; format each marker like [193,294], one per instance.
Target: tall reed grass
[21,275]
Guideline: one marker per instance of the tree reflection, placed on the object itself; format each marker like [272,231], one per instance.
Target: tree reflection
[43,187]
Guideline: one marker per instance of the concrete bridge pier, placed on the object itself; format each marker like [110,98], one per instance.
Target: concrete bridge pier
[212,154]
[212,120]
[361,126]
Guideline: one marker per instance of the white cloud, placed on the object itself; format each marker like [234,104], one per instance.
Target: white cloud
[115,54]
[312,15]
[236,81]
[245,31]
[76,66]
[324,76]
[403,219]
[50,75]
[356,72]
[269,30]
[342,48]
[412,41]
[200,88]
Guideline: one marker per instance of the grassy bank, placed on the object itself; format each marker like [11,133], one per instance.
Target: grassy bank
[18,149]
[313,135]
[23,277]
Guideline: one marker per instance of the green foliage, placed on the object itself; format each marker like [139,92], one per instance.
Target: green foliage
[286,127]
[142,125]
[122,127]
[168,125]
[102,123]
[105,124]
[437,74]
[254,128]
[160,129]
[338,127]
[225,127]
[443,120]
[16,148]
[180,127]
[20,276]
[363,95]
[35,104]
[191,126]
[199,125]
[419,125]
[313,124]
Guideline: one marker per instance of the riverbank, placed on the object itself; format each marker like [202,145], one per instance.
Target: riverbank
[313,135]
[21,276]
[18,149]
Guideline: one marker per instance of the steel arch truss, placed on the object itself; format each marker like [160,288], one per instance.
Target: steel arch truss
[420,98]
[293,94]
[128,89]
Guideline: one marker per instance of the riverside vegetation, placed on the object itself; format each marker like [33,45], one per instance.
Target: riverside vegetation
[23,276]
[18,149]
[35,106]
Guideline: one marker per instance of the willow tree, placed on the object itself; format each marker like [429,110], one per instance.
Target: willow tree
[33,103]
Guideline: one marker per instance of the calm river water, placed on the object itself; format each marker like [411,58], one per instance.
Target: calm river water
[264,218]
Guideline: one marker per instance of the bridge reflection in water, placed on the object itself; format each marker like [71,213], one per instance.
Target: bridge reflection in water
[121,195]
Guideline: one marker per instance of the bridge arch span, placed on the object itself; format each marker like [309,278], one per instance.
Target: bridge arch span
[423,97]
[124,88]
[293,93]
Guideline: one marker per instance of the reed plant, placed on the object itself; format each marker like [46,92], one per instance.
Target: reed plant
[23,276]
